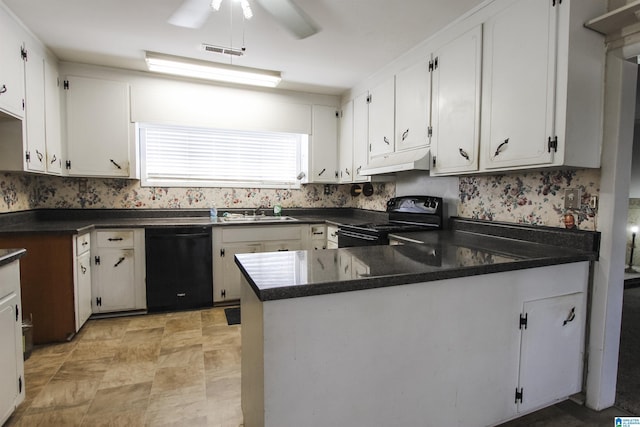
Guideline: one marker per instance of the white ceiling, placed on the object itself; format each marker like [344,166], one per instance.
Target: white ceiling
[357,37]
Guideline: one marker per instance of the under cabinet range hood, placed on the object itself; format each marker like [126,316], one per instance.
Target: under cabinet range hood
[418,159]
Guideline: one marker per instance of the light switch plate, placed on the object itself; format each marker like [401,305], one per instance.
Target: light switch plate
[572,198]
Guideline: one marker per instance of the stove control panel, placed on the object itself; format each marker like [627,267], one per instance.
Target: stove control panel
[416,204]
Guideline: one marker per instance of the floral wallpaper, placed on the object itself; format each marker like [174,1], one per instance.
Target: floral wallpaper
[535,197]
[22,192]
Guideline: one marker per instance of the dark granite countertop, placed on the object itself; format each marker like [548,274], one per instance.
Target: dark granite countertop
[440,255]
[78,221]
[7,256]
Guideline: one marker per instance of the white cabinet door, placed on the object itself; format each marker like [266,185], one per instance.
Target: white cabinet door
[360,136]
[552,350]
[12,70]
[83,292]
[10,355]
[456,104]
[382,118]
[53,132]
[35,112]
[519,85]
[226,286]
[413,104]
[345,156]
[98,135]
[324,144]
[116,281]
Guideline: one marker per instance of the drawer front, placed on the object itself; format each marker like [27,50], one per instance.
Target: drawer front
[332,234]
[260,234]
[83,243]
[319,232]
[115,239]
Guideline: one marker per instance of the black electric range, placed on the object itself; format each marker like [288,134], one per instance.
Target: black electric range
[406,213]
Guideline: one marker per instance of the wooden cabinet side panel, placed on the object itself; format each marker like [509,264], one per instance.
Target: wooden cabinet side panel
[46,275]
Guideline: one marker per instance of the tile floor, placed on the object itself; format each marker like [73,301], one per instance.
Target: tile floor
[179,369]
[174,369]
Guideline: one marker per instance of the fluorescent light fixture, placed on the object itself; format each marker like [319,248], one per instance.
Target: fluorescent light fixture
[187,67]
[215,4]
[246,9]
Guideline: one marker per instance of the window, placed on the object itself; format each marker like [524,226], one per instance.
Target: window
[202,157]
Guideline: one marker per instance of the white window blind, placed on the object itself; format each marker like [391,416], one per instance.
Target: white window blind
[187,156]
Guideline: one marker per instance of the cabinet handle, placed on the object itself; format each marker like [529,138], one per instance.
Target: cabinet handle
[53,159]
[464,154]
[500,147]
[115,239]
[570,317]
[181,295]
[40,155]
[347,171]
[318,233]
[405,134]
[386,140]
[3,89]
[283,250]
[117,165]
[85,243]
[358,170]
[119,262]
[322,171]
[83,269]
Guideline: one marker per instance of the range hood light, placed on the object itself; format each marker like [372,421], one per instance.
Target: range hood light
[187,67]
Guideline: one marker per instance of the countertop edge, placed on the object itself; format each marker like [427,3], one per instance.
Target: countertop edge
[11,255]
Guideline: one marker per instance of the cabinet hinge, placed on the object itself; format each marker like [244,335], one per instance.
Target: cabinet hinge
[429,131]
[223,293]
[65,84]
[23,54]
[222,252]
[17,312]
[554,2]
[27,156]
[519,394]
[553,144]
[67,164]
[433,161]
[97,260]
[369,147]
[338,114]
[98,301]
[523,320]
[20,384]
[368,99]
[433,64]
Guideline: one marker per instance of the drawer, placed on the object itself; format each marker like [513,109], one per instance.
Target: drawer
[260,233]
[83,243]
[319,232]
[115,239]
[332,234]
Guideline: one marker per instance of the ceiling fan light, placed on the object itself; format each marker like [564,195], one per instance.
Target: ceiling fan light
[187,67]
[215,4]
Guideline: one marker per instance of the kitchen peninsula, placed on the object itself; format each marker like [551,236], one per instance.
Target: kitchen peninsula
[472,326]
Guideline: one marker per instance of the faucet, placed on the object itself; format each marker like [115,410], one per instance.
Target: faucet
[258,211]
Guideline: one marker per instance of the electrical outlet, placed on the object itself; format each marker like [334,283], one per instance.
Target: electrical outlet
[82,186]
[593,202]
[327,189]
[572,198]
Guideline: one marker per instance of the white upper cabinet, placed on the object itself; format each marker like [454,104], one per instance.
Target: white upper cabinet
[53,124]
[413,102]
[36,148]
[345,155]
[456,104]
[543,75]
[12,70]
[360,136]
[98,128]
[382,118]
[324,144]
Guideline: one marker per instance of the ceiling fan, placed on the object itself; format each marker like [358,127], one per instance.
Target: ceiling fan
[194,13]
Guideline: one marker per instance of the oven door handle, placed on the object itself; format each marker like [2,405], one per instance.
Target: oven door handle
[356,235]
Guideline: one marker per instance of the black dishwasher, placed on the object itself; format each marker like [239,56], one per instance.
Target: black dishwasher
[179,268]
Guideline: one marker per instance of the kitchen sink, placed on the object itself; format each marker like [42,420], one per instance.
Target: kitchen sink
[259,218]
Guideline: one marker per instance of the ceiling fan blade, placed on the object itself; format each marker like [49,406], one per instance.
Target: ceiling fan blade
[290,16]
[191,14]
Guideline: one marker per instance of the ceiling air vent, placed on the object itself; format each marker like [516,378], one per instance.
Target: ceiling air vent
[222,49]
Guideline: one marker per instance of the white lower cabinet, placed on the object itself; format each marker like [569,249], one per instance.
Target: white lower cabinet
[82,282]
[11,360]
[229,241]
[118,270]
[318,236]
[332,236]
